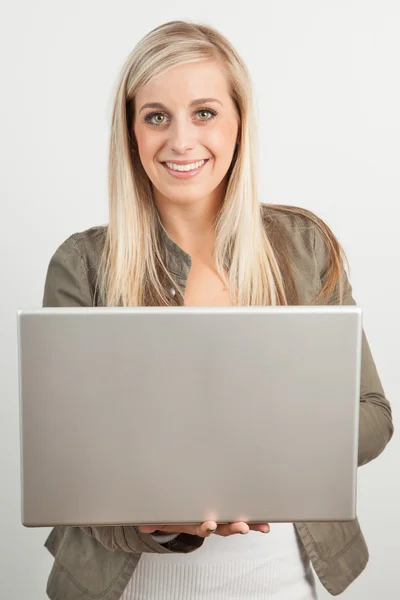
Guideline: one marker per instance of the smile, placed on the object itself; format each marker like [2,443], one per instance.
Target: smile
[185,171]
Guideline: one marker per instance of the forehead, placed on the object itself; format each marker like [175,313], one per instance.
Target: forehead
[182,83]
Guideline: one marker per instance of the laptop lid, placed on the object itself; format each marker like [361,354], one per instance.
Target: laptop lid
[185,414]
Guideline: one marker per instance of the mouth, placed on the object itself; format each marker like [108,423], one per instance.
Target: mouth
[185,171]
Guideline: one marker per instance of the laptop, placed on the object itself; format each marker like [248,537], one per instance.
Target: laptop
[185,414]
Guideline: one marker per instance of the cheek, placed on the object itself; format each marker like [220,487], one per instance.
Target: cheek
[221,142]
[147,143]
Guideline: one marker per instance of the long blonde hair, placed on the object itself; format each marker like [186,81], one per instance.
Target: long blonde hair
[132,270]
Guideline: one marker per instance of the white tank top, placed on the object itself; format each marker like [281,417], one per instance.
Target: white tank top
[255,566]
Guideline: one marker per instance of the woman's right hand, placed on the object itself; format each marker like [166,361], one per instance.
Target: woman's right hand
[207,528]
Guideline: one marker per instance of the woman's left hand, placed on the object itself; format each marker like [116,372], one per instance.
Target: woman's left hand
[207,528]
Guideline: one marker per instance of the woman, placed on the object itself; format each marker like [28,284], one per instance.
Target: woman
[186,228]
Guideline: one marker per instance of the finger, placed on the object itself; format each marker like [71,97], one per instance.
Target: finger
[204,529]
[226,529]
[263,527]
[148,528]
[201,529]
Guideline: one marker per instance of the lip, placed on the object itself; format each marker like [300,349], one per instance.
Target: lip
[185,174]
[184,162]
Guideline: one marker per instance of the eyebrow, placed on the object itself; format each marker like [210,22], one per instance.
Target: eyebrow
[193,103]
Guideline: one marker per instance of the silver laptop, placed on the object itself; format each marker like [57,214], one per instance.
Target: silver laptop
[185,414]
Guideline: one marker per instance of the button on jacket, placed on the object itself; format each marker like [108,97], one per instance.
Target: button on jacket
[97,562]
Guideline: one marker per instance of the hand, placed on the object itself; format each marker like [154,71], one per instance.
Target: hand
[207,528]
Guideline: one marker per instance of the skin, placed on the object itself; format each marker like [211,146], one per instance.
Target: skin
[187,207]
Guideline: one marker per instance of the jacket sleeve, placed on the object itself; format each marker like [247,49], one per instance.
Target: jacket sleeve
[375,424]
[66,284]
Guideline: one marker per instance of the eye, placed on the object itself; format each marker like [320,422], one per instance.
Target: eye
[213,113]
[148,118]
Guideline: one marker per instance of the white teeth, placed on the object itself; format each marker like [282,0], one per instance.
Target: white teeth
[190,167]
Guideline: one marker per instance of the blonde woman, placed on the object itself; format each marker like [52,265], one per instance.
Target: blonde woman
[186,227]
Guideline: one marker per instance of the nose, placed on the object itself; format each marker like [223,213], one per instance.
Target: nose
[182,136]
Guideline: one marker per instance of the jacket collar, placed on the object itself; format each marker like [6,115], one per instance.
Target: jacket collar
[177,261]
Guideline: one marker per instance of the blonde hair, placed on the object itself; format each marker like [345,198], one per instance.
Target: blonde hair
[132,270]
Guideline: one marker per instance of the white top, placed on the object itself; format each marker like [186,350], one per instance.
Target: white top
[255,566]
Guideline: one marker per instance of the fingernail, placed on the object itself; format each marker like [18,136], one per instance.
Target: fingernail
[244,532]
[211,530]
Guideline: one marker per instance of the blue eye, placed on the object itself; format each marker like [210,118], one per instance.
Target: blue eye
[148,118]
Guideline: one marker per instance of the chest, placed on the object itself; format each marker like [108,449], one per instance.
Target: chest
[205,287]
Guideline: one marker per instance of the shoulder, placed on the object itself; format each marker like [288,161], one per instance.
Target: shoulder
[72,269]
[307,242]
[292,230]
[306,231]
[86,245]
[290,220]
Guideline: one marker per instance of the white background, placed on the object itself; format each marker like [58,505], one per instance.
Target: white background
[326,80]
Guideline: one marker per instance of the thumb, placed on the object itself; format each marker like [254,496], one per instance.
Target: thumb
[147,528]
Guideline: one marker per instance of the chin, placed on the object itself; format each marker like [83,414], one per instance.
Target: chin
[183,198]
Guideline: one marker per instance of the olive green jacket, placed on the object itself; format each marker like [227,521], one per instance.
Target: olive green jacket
[97,562]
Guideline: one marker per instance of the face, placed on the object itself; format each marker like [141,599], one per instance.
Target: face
[193,119]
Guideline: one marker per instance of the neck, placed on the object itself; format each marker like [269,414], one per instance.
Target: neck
[190,226]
